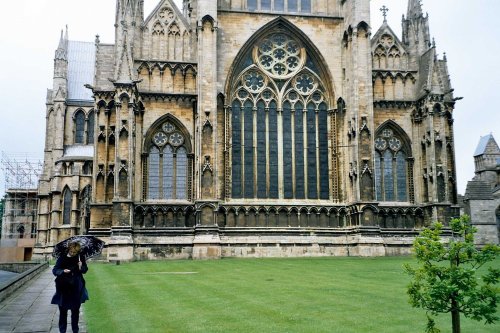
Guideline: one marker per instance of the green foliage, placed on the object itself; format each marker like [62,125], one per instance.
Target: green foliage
[447,279]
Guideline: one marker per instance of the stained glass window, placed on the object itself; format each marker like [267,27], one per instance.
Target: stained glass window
[67,201]
[305,6]
[90,128]
[167,164]
[391,167]
[79,126]
[252,4]
[279,123]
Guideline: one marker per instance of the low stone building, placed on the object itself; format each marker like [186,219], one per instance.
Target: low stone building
[482,195]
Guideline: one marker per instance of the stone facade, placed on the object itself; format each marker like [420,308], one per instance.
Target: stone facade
[482,195]
[251,128]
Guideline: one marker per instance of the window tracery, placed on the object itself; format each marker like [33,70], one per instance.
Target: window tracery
[167,164]
[279,124]
[391,167]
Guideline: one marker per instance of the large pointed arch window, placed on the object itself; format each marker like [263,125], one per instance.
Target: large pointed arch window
[391,166]
[168,164]
[279,123]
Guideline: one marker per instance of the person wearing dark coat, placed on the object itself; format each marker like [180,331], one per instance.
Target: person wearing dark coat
[70,286]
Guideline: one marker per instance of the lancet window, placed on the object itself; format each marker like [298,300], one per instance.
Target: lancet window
[391,167]
[167,164]
[279,123]
[67,202]
[84,127]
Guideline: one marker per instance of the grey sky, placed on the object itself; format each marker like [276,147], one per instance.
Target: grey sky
[465,30]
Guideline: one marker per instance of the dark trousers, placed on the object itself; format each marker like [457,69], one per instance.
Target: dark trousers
[63,318]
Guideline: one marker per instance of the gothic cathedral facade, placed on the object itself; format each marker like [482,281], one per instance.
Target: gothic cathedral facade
[249,128]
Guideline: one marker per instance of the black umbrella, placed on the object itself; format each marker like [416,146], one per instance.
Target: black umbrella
[89,246]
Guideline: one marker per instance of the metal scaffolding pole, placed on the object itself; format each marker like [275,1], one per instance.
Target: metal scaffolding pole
[21,173]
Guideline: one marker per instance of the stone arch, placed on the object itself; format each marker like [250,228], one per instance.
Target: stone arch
[282,24]
[157,125]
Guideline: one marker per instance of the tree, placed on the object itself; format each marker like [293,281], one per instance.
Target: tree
[447,279]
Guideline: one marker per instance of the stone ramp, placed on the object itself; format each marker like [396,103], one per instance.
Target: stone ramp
[29,308]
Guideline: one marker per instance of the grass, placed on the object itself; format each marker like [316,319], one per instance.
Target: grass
[344,295]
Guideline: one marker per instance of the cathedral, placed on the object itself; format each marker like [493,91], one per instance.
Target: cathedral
[249,128]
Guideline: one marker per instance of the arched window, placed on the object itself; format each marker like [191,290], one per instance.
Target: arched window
[79,126]
[67,202]
[90,128]
[167,164]
[279,108]
[391,166]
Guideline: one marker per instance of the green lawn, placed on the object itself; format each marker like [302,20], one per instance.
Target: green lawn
[331,295]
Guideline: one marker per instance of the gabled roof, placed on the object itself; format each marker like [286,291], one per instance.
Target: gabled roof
[172,5]
[386,29]
[483,144]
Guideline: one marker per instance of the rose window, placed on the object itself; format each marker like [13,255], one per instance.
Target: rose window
[279,56]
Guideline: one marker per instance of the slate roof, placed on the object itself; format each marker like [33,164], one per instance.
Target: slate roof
[478,190]
[81,68]
[481,146]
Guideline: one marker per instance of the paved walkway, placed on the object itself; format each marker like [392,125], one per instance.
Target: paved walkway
[29,308]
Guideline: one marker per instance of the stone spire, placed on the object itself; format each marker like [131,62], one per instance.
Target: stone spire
[62,49]
[128,22]
[416,29]
[61,67]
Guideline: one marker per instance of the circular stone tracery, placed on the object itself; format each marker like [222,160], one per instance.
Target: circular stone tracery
[169,133]
[279,56]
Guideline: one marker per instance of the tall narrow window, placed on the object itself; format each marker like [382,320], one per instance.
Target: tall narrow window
[265,4]
[79,126]
[279,5]
[279,123]
[292,6]
[167,164]
[67,201]
[90,128]
[305,6]
[252,5]
[391,167]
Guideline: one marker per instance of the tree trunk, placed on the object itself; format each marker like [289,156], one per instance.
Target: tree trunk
[455,317]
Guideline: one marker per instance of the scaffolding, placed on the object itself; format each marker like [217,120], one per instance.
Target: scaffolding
[21,173]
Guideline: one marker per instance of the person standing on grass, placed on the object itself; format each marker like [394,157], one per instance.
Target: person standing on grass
[70,286]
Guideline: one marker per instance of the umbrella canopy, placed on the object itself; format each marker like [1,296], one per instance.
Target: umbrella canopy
[89,246]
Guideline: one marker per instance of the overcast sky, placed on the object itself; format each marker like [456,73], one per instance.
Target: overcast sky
[30,30]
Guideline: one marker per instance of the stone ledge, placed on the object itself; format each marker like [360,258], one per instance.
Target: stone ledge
[9,287]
